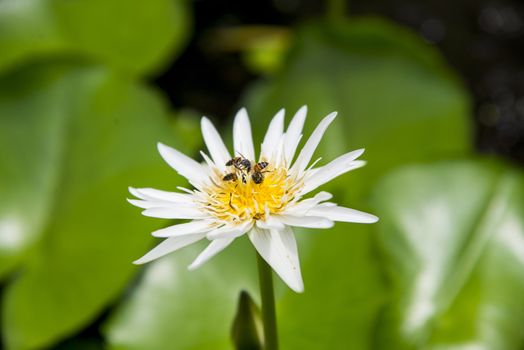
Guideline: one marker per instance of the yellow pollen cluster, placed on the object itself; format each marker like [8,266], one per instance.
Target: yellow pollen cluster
[236,200]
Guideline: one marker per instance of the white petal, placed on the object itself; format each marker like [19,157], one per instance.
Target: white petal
[175,213]
[210,168]
[211,250]
[143,204]
[167,246]
[303,206]
[210,163]
[230,231]
[337,213]
[273,135]
[306,153]
[278,155]
[188,228]
[306,221]
[243,141]
[214,144]
[279,250]
[271,222]
[294,134]
[185,166]
[152,194]
[159,204]
[341,165]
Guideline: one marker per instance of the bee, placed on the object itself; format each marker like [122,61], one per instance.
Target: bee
[240,163]
[260,166]
[230,177]
[258,173]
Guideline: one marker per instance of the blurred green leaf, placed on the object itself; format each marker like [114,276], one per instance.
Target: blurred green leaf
[343,292]
[73,139]
[453,239]
[187,128]
[397,98]
[248,329]
[30,147]
[174,308]
[394,94]
[132,36]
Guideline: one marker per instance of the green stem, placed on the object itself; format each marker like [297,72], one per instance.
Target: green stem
[269,318]
[336,9]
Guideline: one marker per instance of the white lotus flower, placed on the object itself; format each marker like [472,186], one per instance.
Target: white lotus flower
[230,200]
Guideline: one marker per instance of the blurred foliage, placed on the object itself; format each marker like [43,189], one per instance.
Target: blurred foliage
[179,309]
[132,36]
[442,270]
[74,133]
[453,237]
[101,139]
[262,47]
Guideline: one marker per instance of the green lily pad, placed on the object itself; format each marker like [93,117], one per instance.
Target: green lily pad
[453,241]
[132,36]
[179,309]
[74,138]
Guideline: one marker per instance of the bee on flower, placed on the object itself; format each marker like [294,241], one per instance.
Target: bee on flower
[237,194]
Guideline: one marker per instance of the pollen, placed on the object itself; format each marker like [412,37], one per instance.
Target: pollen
[241,198]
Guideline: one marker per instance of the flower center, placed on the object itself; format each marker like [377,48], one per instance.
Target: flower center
[243,195]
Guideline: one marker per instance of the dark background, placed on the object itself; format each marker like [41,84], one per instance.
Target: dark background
[481,40]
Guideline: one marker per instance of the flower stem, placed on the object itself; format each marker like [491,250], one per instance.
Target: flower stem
[269,318]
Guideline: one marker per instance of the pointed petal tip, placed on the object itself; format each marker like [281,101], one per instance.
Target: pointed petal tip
[242,113]
[372,219]
[204,120]
[206,123]
[133,191]
[162,149]
[368,219]
[280,115]
[359,163]
[332,115]
[324,195]
[360,151]
[139,262]
[298,288]
[192,267]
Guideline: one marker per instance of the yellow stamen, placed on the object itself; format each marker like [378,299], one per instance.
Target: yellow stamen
[235,200]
